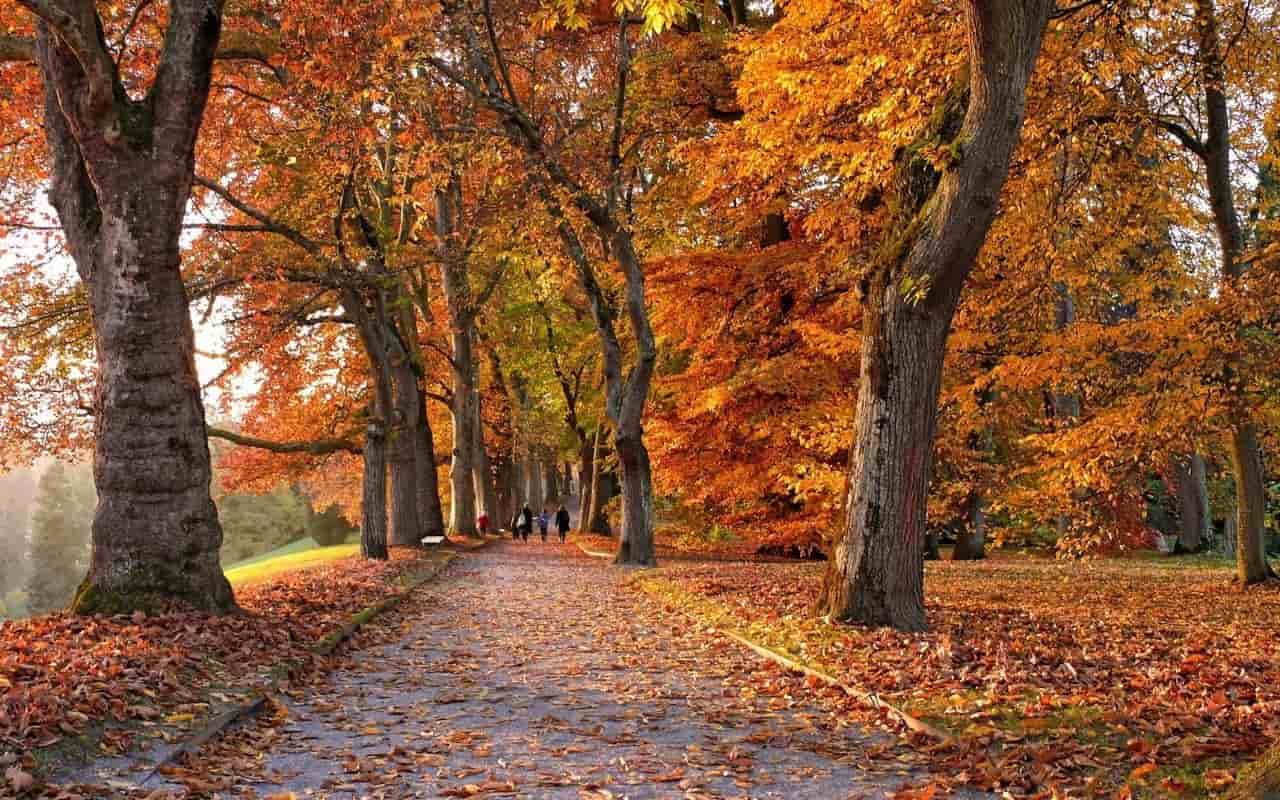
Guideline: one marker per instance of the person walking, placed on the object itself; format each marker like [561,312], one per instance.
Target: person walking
[562,522]
[482,524]
[544,519]
[526,522]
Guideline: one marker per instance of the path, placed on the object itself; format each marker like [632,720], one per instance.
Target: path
[528,672]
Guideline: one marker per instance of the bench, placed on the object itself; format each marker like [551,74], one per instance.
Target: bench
[430,540]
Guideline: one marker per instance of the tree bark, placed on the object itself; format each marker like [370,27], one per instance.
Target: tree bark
[551,476]
[876,574]
[373,507]
[1246,458]
[430,511]
[120,176]
[462,473]
[486,493]
[971,540]
[402,456]
[1193,502]
[586,473]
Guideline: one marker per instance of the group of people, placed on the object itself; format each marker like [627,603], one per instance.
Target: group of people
[522,523]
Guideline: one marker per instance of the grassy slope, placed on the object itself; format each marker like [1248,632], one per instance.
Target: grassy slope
[286,560]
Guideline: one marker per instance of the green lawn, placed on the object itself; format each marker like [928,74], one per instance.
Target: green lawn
[303,554]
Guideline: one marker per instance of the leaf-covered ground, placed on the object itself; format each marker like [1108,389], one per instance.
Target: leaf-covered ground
[99,684]
[533,671]
[1134,677]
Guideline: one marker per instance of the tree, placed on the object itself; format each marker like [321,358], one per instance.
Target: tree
[606,212]
[59,539]
[121,141]
[943,211]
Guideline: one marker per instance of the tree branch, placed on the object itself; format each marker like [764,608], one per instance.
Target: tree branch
[320,447]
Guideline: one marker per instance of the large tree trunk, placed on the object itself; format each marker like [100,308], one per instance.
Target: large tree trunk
[636,545]
[1193,502]
[1246,453]
[402,455]
[121,174]
[462,505]
[876,572]
[373,510]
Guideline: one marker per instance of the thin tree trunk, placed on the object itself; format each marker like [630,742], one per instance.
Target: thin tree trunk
[594,518]
[971,541]
[430,510]
[486,494]
[551,474]
[120,179]
[586,470]
[373,511]
[876,574]
[1193,502]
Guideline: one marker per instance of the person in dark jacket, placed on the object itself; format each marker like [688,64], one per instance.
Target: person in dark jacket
[526,522]
[562,522]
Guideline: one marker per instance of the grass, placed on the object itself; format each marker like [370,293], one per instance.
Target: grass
[269,566]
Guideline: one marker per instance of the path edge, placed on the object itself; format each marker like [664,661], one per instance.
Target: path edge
[325,647]
[867,698]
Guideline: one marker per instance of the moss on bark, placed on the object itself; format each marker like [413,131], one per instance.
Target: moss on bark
[152,588]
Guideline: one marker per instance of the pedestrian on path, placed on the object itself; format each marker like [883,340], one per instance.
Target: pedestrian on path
[526,523]
[562,522]
[544,520]
[482,523]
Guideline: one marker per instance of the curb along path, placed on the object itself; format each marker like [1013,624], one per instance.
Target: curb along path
[530,671]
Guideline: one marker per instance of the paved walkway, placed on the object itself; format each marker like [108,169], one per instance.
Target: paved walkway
[528,671]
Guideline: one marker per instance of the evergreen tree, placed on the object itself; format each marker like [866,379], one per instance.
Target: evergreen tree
[59,543]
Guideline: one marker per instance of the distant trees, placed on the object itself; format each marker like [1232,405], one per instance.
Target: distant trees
[59,542]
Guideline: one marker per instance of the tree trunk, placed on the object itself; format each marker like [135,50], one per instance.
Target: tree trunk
[373,510]
[586,470]
[535,485]
[430,511]
[594,519]
[120,178]
[402,456]
[551,474]
[636,545]
[1251,556]
[876,573]
[1246,454]
[486,492]
[971,542]
[1193,502]
[462,472]
[932,552]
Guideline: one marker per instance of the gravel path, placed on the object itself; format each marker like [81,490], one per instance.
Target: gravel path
[530,672]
